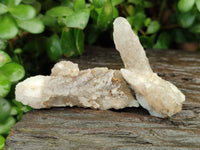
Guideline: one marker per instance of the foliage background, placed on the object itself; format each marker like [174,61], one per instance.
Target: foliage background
[34,34]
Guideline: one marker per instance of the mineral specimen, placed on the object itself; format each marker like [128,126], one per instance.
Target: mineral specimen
[161,98]
[98,88]
[102,88]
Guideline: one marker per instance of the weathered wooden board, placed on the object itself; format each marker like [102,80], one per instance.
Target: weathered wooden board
[127,129]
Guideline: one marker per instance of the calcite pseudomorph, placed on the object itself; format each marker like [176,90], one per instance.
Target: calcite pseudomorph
[161,98]
[98,88]
[103,88]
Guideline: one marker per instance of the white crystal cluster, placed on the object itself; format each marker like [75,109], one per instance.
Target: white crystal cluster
[101,88]
[161,98]
[98,88]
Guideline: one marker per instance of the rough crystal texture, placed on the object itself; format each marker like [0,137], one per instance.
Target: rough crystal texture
[65,68]
[97,88]
[161,98]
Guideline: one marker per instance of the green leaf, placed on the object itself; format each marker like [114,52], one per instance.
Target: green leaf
[98,11]
[17,103]
[62,21]
[92,33]
[106,15]
[79,34]
[138,21]
[78,19]
[17,2]
[13,71]
[68,42]
[115,12]
[198,4]
[49,21]
[34,25]
[130,10]
[179,35]
[2,142]
[116,2]
[14,110]
[20,106]
[94,14]
[8,29]
[136,2]
[3,9]
[19,116]
[23,12]
[153,27]
[3,44]
[186,19]
[4,58]
[28,1]
[5,109]
[5,127]
[147,41]
[37,6]
[185,5]
[98,3]
[79,4]
[68,3]
[163,41]
[54,50]
[59,11]
[26,108]
[130,20]
[147,22]
[195,29]
[5,85]
[11,3]
[148,4]
[18,51]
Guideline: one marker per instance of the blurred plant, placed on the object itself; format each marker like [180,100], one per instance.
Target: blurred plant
[16,17]
[67,21]
[2,140]
[34,34]
[10,110]
[164,24]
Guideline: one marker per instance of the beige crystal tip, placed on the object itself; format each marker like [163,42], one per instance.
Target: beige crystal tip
[30,91]
[161,98]
[128,44]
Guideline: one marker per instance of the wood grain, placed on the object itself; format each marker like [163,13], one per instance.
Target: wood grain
[126,129]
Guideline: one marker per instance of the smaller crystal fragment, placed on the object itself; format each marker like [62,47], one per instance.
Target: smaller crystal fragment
[161,98]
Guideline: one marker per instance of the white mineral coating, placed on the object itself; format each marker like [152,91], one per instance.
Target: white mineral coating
[161,98]
[97,88]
